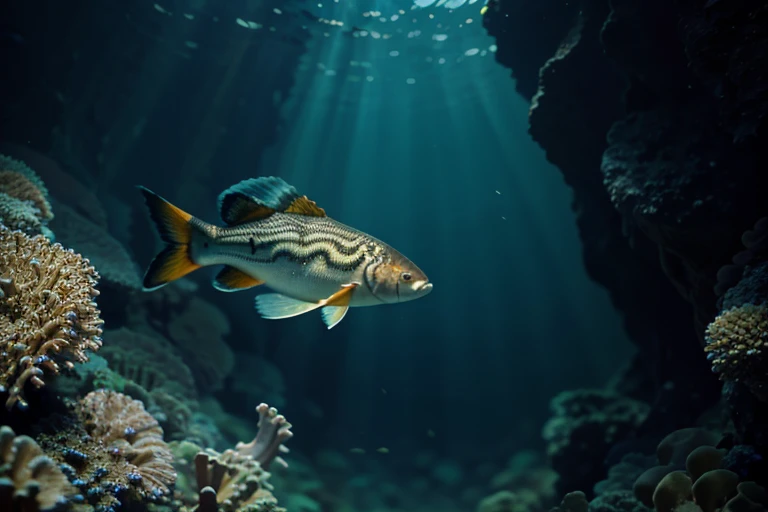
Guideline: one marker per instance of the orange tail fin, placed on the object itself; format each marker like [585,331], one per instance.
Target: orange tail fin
[173,225]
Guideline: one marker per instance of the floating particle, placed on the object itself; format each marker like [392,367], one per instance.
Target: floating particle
[483,10]
[191,44]
[471,52]
[383,391]
[468,21]
[375,35]
[159,8]
[215,19]
[503,218]
[277,11]
[441,60]
[410,81]
[330,72]
[357,451]
[369,78]
[249,24]
[366,64]
[189,16]
[430,433]
[394,53]
[439,37]
[483,53]
[498,192]
[493,48]
[394,17]
[382,450]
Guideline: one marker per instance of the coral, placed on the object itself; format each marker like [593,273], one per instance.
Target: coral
[751,288]
[19,186]
[17,214]
[677,446]
[274,430]
[646,483]
[622,476]
[23,198]
[750,497]
[583,427]
[148,360]
[29,480]
[237,479]
[121,423]
[737,346]
[48,315]
[199,332]
[173,414]
[573,502]
[704,459]
[506,501]
[108,255]
[616,501]
[9,164]
[714,488]
[673,490]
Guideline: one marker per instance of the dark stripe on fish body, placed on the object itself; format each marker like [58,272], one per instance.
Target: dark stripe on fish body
[344,266]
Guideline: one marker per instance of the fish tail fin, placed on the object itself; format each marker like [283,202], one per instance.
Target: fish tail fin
[175,229]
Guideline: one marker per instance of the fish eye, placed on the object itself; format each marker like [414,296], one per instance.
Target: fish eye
[406,276]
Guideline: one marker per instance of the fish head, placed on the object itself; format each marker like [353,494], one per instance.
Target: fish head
[398,279]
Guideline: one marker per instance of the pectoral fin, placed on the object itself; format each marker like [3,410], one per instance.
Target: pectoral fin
[231,279]
[274,306]
[337,305]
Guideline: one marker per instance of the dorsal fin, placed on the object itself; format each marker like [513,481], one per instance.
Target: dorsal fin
[258,198]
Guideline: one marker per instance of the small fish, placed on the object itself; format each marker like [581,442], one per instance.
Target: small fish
[276,237]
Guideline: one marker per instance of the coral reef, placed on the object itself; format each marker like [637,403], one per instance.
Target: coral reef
[29,480]
[583,427]
[48,316]
[737,346]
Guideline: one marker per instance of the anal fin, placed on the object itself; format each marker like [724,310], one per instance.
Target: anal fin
[332,315]
[231,279]
[337,305]
[274,306]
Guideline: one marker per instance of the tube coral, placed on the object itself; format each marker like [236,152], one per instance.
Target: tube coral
[24,201]
[48,315]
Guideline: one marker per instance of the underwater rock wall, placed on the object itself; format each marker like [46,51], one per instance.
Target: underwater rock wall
[656,113]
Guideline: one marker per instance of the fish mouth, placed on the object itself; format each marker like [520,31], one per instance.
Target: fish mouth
[425,288]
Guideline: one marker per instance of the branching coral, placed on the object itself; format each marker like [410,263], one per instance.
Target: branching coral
[737,346]
[274,430]
[48,315]
[121,423]
[19,186]
[19,215]
[29,480]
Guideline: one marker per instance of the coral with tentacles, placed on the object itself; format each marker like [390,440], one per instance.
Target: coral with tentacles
[737,346]
[29,480]
[48,315]
[122,424]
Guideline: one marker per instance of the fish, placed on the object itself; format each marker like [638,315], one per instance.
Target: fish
[274,236]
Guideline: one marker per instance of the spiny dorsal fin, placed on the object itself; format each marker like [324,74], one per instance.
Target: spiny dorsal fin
[258,198]
[231,279]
